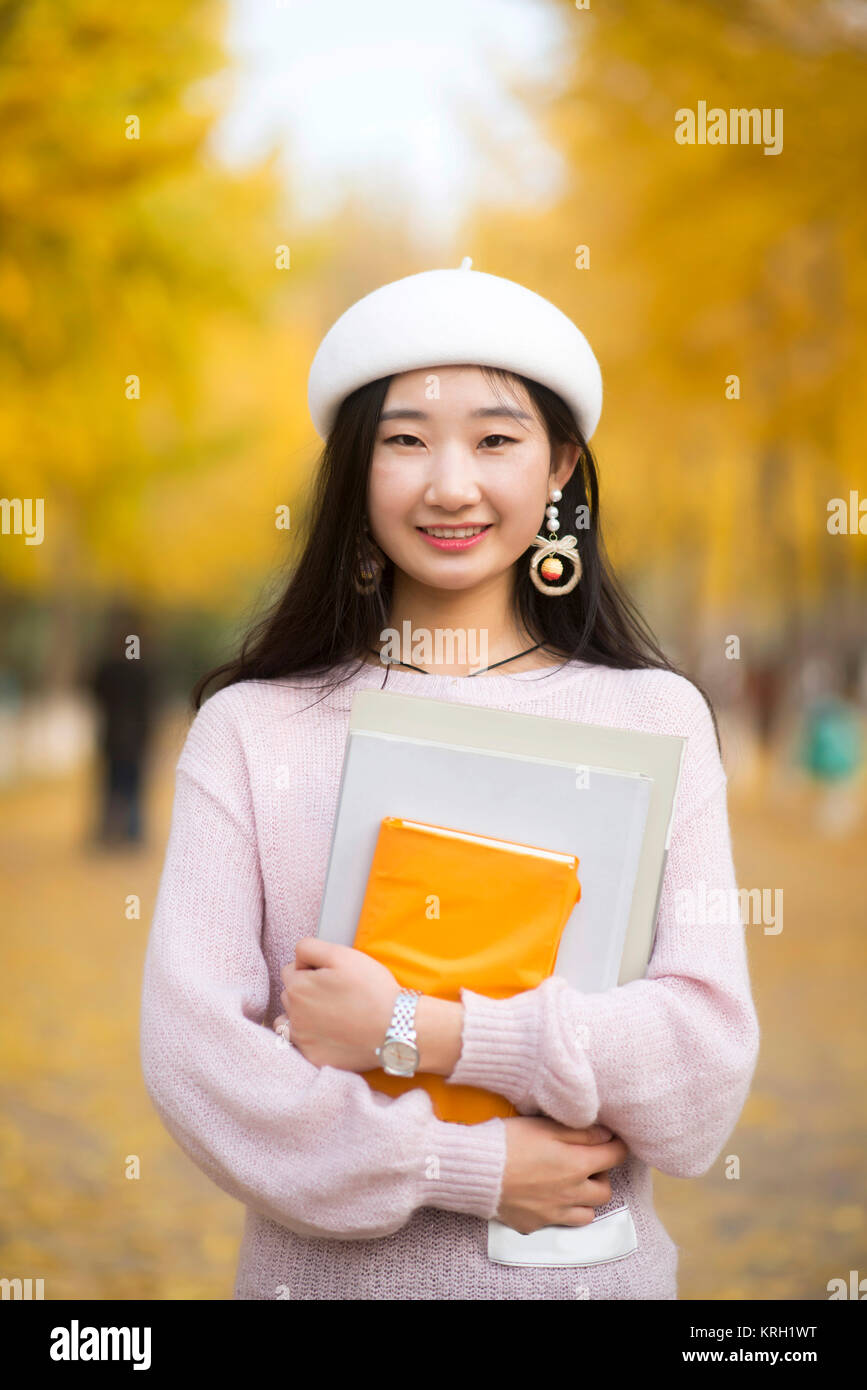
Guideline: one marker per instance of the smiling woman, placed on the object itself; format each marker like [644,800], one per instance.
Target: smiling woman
[452,505]
[403,356]
[536,455]
[365,562]
[436,478]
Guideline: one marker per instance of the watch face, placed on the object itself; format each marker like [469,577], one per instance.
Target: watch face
[399,1057]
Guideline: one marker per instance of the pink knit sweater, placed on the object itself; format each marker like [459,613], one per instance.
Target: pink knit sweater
[335,1177]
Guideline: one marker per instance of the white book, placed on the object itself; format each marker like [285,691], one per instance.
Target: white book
[605,795]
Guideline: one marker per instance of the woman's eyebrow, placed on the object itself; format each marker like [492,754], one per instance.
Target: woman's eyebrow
[485,412]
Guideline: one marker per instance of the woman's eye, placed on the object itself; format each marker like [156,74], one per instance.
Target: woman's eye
[407,440]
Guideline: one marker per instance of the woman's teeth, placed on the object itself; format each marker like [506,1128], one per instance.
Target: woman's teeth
[452,532]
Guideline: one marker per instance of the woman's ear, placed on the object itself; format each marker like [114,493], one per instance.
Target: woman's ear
[564,461]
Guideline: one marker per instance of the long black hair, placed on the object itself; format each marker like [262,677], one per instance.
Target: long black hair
[320,620]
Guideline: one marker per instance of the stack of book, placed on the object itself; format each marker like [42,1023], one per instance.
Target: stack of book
[490,849]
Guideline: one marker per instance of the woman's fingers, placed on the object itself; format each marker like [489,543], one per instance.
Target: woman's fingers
[600,1188]
[610,1155]
[579,1216]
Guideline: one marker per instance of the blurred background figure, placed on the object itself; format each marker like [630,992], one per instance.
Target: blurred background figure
[123,685]
[765,689]
[830,747]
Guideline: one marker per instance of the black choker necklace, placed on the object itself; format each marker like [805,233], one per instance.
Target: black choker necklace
[472,673]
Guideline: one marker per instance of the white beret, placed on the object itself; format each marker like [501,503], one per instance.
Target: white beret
[454,317]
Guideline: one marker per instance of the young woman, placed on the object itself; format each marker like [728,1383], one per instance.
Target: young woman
[456,409]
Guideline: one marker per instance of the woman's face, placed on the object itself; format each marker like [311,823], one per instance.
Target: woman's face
[450,455]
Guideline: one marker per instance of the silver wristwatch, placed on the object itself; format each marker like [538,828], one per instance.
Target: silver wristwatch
[399,1055]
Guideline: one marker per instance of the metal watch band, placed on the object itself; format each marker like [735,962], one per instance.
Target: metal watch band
[402,1026]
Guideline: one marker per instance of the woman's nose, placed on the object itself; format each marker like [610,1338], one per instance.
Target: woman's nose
[452,483]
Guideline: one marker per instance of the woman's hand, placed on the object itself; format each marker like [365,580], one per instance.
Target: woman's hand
[339,1003]
[555,1176]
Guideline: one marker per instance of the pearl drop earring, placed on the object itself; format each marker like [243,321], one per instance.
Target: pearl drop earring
[546,566]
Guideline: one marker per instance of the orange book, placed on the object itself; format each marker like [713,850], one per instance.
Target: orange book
[445,908]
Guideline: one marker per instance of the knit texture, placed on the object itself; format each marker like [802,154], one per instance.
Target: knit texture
[352,1194]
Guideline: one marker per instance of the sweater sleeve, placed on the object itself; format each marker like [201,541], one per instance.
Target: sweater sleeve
[665,1061]
[315,1149]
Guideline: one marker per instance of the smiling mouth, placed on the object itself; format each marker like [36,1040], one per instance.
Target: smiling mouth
[453,532]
